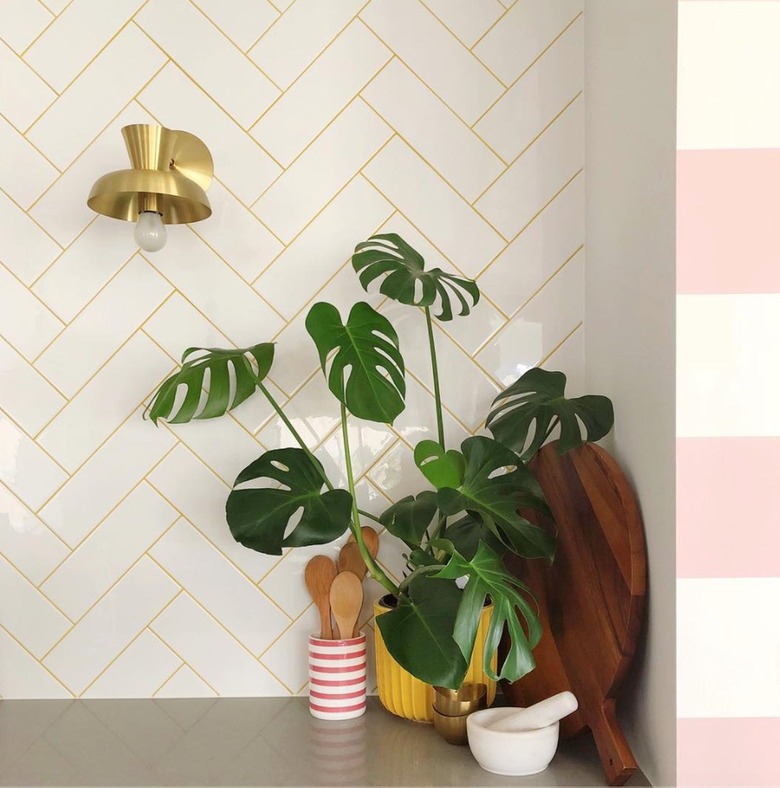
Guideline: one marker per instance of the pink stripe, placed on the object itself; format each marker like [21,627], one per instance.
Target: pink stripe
[727,219]
[728,752]
[337,709]
[350,655]
[337,643]
[728,507]
[337,696]
[343,669]
[346,683]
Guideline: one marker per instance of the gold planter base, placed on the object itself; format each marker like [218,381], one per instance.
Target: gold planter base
[404,695]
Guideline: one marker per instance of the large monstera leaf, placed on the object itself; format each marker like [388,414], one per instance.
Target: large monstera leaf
[409,518]
[406,280]
[488,577]
[525,414]
[361,360]
[259,517]
[418,632]
[205,375]
[496,484]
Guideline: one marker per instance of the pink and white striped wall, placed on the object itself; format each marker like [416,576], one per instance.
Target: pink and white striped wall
[728,378]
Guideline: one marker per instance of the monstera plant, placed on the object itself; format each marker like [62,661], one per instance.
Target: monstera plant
[461,527]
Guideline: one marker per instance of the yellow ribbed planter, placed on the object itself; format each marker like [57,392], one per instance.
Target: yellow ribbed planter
[404,695]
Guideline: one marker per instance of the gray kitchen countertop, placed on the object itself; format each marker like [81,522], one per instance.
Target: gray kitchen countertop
[243,742]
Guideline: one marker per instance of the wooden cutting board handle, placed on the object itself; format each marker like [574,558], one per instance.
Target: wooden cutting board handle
[616,756]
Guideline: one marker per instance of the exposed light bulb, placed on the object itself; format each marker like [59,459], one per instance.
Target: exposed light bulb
[150,233]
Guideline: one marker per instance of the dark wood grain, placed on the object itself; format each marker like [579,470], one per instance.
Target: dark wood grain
[591,599]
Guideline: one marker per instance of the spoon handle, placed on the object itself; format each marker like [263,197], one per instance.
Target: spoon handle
[326,627]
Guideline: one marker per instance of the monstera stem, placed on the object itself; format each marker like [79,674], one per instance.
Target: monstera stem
[368,560]
[435,371]
[287,423]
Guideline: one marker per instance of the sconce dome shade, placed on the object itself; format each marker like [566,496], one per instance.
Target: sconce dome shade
[169,172]
[125,193]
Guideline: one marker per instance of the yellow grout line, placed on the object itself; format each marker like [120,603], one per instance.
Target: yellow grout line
[53,19]
[310,66]
[525,150]
[504,12]
[528,68]
[39,661]
[199,10]
[530,222]
[470,50]
[560,344]
[279,15]
[34,221]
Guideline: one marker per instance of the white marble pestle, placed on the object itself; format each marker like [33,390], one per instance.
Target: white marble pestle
[540,715]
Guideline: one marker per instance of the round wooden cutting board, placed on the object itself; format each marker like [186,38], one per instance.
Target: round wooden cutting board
[591,599]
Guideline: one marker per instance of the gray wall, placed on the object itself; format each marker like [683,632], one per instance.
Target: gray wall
[630,86]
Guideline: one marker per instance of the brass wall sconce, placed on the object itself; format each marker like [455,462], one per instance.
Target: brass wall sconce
[170,171]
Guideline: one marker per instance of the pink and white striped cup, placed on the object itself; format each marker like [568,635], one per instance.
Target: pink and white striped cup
[337,677]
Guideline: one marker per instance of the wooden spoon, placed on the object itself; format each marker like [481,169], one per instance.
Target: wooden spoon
[370,538]
[350,560]
[346,600]
[320,573]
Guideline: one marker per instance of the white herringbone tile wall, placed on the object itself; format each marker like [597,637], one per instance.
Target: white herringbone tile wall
[456,123]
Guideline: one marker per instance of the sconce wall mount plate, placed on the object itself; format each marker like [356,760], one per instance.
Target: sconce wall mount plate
[170,171]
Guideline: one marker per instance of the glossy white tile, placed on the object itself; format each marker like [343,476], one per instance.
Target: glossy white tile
[75,37]
[242,23]
[219,587]
[85,267]
[532,103]
[25,395]
[529,27]
[200,275]
[539,251]
[24,172]
[200,496]
[185,683]
[21,21]
[32,619]
[455,74]
[25,248]
[433,130]
[119,616]
[211,651]
[25,541]
[92,101]
[101,406]
[538,175]
[322,170]
[145,665]
[299,36]
[214,62]
[320,93]
[107,477]
[539,328]
[430,202]
[25,468]
[103,325]
[22,676]
[323,247]
[469,20]
[237,235]
[25,95]
[24,319]
[109,551]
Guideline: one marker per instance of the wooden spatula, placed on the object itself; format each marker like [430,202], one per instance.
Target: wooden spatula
[320,573]
[346,600]
[371,539]
[350,560]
